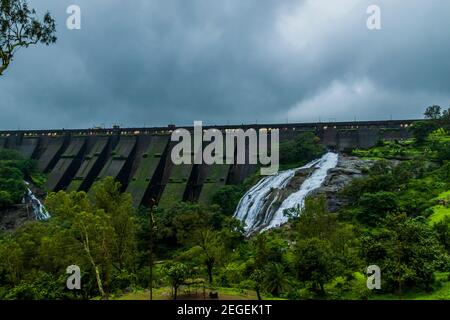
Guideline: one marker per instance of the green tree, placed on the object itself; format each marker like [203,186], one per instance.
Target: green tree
[20,28]
[433,112]
[10,154]
[14,169]
[257,278]
[407,250]
[322,237]
[88,226]
[314,220]
[206,229]
[227,198]
[41,286]
[147,244]
[176,273]
[5,199]
[443,151]
[421,129]
[375,206]
[106,195]
[11,182]
[11,261]
[304,148]
[275,278]
[443,232]
[315,263]
[212,249]
[445,119]
[440,117]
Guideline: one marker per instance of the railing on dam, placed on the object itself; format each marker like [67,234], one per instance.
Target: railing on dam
[168,129]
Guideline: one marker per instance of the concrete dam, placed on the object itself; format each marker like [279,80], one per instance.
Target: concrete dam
[139,158]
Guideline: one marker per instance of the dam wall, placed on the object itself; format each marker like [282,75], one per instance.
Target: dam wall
[139,158]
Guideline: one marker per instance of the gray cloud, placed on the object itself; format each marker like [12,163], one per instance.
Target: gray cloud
[159,62]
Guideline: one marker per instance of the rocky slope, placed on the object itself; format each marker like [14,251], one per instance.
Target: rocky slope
[265,204]
[347,169]
[14,217]
[29,210]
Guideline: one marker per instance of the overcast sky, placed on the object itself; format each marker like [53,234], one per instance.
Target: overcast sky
[148,62]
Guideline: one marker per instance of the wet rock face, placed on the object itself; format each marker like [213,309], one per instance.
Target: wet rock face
[31,209]
[298,179]
[263,206]
[276,197]
[12,218]
[347,169]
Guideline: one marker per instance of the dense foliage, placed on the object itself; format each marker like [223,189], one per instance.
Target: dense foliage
[297,152]
[396,216]
[14,169]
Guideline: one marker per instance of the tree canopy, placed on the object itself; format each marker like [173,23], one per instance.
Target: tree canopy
[21,28]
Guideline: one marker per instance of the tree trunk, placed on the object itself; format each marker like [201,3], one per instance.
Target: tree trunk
[99,281]
[209,267]
[258,294]
[4,65]
[106,285]
[97,272]
[322,289]
[151,255]
[275,292]
[2,68]
[151,279]
[400,291]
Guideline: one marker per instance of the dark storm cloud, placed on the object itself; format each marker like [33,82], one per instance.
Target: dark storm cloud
[157,62]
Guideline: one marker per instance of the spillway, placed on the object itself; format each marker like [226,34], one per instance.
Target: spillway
[263,206]
[39,211]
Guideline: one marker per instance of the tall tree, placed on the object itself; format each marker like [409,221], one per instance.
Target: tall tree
[11,260]
[176,274]
[433,112]
[443,232]
[315,221]
[315,263]
[257,278]
[407,250]
[88,226]
[211,248]
[105,195]
[275,278]
[20,28]
[194,226]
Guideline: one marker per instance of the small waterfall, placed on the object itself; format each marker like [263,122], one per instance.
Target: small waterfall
[261,207]
[40,212]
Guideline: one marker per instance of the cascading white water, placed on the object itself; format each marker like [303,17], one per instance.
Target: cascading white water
[314,181]
[254,202]
[40,212]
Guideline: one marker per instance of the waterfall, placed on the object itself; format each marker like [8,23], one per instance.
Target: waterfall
[40,212]
[262,207]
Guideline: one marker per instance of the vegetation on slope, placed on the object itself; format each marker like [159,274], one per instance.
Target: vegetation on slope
[395,217]
[14,169]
